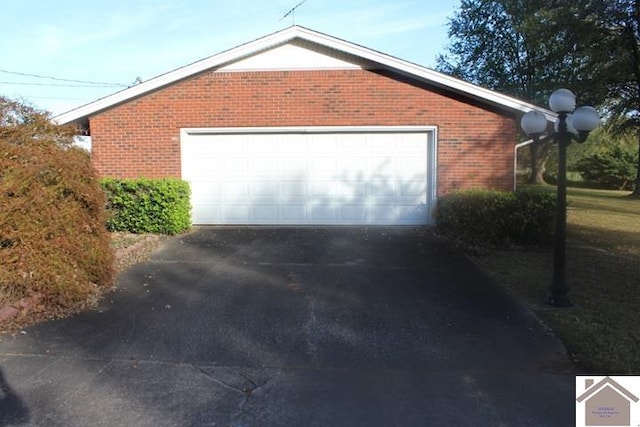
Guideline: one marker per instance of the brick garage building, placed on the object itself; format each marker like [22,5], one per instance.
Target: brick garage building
[299,127]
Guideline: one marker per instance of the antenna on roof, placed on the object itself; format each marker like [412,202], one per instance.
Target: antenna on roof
[137,81]
[292,12]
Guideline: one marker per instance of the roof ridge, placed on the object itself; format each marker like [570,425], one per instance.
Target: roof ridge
[414,71]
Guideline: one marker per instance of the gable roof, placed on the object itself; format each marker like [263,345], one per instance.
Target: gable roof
[598,386]
[296,34]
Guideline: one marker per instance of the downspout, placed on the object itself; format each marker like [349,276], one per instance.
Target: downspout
[540,138]
[515,161]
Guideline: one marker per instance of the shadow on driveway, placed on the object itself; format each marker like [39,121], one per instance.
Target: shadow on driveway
[296,326]
[12,409]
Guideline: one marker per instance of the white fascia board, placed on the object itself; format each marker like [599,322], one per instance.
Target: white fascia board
[175,75]
[281,37]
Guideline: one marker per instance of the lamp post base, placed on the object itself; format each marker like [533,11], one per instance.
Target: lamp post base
[561,300]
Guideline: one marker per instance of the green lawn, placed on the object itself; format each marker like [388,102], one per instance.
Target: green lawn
[606,219]
[602,331]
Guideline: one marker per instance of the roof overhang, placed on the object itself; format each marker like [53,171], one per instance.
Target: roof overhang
[380,60]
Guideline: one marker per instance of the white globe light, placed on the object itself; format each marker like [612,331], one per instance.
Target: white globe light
[570,127]
[533,122]
[586,119]
[562,101]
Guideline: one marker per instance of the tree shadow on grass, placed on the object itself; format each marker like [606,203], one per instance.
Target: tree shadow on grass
[618,242]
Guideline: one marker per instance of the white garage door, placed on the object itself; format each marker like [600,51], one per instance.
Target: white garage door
[311,176]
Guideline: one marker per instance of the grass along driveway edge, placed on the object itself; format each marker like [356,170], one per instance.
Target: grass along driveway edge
[602,331]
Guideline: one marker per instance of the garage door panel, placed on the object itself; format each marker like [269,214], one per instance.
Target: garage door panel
[293,213]
[234,191]
[413,191]
[382,143]
[204,168]
[293,166]
[381,167]
[353,192]
[205,191]
[412,214]
[264,167]
[353,146]
[322,145]
[236,166]
[265,213]
[308,178]
[293,191]
[293,145]
[381,214]
[323,167]
[411,147]
[323,213]
[264,191]
[411,166]
[352,167]
[235,213]
[229,145]
[261,145]
[208,213]
[354,214]
[381,191]
[323,191]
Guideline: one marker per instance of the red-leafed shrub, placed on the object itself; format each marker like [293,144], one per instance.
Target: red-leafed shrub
[53,238]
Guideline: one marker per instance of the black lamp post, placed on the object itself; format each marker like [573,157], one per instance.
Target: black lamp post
[569,125]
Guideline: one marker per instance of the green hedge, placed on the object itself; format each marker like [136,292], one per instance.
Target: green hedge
[486,217]
[147,205]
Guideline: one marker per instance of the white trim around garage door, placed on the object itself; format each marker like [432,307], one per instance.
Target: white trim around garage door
[217,196]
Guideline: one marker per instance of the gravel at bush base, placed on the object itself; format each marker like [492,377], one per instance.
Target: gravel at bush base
[129,249]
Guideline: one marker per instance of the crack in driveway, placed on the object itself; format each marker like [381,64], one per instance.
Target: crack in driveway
[247,391]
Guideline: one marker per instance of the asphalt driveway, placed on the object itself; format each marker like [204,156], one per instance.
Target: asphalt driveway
[292,326]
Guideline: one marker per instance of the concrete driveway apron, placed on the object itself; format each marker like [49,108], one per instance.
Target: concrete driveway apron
[264,326]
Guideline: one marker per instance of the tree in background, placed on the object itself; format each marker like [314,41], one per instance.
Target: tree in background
[606,159]
[613,169]
[526,49]
[619,66]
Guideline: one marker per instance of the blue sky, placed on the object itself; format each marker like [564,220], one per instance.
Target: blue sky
[116,41]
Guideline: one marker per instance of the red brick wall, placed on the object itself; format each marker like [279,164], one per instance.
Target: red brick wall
[141,138]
